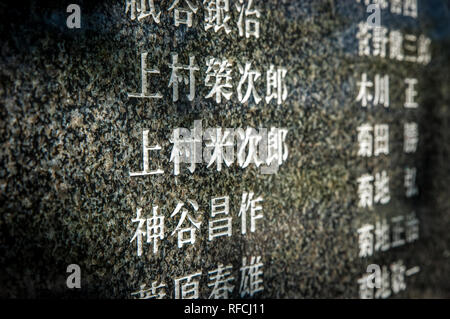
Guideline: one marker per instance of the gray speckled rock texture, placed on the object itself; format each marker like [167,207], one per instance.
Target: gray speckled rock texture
[70,136]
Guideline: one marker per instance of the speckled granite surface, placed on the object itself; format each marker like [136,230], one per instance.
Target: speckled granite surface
[70,136]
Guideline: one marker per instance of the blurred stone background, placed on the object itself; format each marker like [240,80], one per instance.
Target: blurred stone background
[70,136]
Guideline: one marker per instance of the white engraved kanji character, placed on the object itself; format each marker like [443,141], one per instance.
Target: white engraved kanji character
[365,292]
[178,12]
[276,86]
[217,15]
[220,279]
[396,6]
[253,204]
[398,277]
[382,195]
[365,191]
[410,182]
[365,239]
[381,90]
[380,40]
[186,287]
[410,8]
[155,292]
[187,147]
[146,158]
[247,147]
[221,226]
[364,36]
[365,140]
[384,290]
[277,150]
[412,228]
[249,76]
[398,229]
[144,81]
[411,93]
[382,235]
[364,95]
[176,77]
[423,50]
[381,143]
[140,232]
[251,276]
[219,147]
[251,25]
[410,46]
[182,231]
[411,137]
[155,229]
[218,76]
[140,6]
[396,45]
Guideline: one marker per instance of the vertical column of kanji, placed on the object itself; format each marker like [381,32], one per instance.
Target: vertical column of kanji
[410,130]
[221,143]
[151,230]
[373,142]
[373,186]
[416,49]
[376,40]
